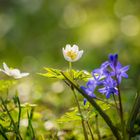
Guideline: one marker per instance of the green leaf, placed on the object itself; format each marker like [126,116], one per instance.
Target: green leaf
[133,124]
[52,73]
[4,119]
[74,74]
[80,75]
[71,115]
[87,110]
[103,105]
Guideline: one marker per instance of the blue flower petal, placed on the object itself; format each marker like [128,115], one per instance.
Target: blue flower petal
[124,75]
[102,90]
[91,85]
[124,69]
[108,95]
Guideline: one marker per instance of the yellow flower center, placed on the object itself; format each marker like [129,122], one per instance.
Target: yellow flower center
[72,54]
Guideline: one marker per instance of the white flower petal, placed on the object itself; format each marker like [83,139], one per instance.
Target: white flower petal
[13,72]
[7,73]
[21,75]
[80,53]
[24,74]
[68,58]
[5,67]
[75,48]
[68,47]
[72,54]
[64,51]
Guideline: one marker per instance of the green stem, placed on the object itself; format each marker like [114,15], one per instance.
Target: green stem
[70,65]
[97,127]
[82,120]
[133,115]
[18,136]
[121,111]
[92,137]
[4,136]
[94,104]
[116,104]
[19,114]
[2,132]
[30,127]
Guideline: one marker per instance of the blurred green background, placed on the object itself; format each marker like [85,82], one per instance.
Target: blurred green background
[33,32]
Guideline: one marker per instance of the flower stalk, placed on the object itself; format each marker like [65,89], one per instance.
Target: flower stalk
[78,105]
[116,105]
[91,133]
[82,119]
[97,127]
[121,112]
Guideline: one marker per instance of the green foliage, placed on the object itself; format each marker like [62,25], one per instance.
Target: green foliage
[88,112]
[6,84]
[11,115]
[53,73]
[98,27]
[80,75]
[71,115]
[76,74]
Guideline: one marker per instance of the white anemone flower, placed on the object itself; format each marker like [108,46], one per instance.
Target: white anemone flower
[13,72]
[72,54]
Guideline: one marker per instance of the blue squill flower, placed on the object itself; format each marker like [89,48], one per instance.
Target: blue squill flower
[121,72]
[109,87]
[89,90]
[106,77]
[118,71]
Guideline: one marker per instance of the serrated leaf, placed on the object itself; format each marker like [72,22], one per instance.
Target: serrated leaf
[89,112]
[52,73]
[80,75]
[74,74]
